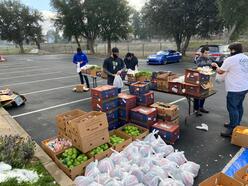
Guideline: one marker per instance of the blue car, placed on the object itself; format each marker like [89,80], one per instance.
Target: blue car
[163,57]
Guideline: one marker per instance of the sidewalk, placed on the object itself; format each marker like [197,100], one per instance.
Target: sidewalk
[9,126]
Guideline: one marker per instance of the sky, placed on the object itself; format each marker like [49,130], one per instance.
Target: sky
[48,12]
[45,4]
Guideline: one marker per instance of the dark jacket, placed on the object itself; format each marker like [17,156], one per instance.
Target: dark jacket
[203,61]
[80,57]
[130,64]
[111,66]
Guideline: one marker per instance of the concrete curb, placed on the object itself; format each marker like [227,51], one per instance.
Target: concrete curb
[9,126]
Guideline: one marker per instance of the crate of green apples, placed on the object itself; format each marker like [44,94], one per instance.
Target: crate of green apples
[100,152]
[119,140]
[135,131]
[72,162]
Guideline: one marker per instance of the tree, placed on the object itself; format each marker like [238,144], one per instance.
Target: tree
[181,19]
[18,23]
[234,14]
[114,20]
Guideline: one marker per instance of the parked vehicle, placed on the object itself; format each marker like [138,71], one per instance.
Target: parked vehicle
[217,53]
[163,57]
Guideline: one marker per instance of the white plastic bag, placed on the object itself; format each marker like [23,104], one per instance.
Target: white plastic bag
[177,157]
[170,182]
[136,171]
[117,158]
[129,180]
[184,176]
[102,178]
[92,170]
[220,78]
[164,149]
[83,180]
[4,167]
[78,67]
[191,167]
[95,184]
[118,81]
[105,165]
[117,172]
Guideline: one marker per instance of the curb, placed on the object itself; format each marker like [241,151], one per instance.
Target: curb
[10,126]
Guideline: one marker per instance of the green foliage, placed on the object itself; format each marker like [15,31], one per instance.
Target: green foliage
[181,19]
[234,14]
[18,23]
[16,151]
[144,73]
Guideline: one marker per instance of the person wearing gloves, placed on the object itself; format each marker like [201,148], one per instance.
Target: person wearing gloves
[235,71]
[202,61]
[113,66]
[131,61]
[81,60]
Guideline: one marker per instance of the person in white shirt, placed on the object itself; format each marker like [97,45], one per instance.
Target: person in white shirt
[235,71]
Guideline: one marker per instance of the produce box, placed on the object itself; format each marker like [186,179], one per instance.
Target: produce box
[145,99]
[87,143]
[76,170]
[196,90]
[220,179]
[88,123]
[169,122]
[176,87]
[143,114]
[240,136]
[131,78]
[104,92]
[112,114]
[242,175]
[124,114]
[54,146]
[127,101]
[193,76]
[120,143]
[104,75]
[114,124]
[153,85]
[94,72]
[166,112]
[147,125]
[136,132]
[63,133]
[163,80]
[170,133]
[79,88]
[63,118]
[104,105]
[100,152]
[156,74]
[143,76]
[139,88]
[122,121]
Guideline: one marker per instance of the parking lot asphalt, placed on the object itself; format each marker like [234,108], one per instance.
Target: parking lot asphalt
[47,82]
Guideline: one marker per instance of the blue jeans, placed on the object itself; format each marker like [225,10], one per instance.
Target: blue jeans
[198,103]
[234,101]
[119,90]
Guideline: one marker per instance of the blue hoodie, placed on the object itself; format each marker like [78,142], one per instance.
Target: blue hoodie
[80,57]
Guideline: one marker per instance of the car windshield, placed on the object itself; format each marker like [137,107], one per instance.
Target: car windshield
[213,49]
[224,48]
[162,53]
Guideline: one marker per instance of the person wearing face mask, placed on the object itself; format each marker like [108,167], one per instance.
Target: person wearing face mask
[131,61]
[235,71]
[202,61]
[113,66]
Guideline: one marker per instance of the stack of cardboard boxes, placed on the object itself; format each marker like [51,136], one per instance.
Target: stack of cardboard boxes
[163,80]
[126,103]
[105,99]
[168,121]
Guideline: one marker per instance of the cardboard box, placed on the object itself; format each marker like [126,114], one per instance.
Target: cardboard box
[166,112]
[88,124]
[145,99]
[127,101]
[170,133]
[114,124]
[87,143]
[193,76]
[104,154]
[63,118]
[139,88]
[144,132]
[48,150]
[146,115]
[104,105]
[104,92]
[76,171]
[119,147]
[239,175]
[238,138]
[220,179]
[79,88]
[175,121]
[196,90]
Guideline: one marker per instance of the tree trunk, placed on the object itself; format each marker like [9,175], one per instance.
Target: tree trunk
[21,48]
[185,45]
[91,43]
[77,41]
[178,42]
[109,46]
[230,32]
[37,44]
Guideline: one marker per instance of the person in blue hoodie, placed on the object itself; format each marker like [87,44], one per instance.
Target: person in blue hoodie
[81,58]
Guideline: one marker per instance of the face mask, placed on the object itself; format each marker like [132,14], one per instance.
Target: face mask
[115,56]
[234,53]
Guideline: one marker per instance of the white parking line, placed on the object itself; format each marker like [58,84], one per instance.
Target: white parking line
[14,77]
[18,67]
[69,103]
[13,72]
[37,81]
[51,89]
[177,101]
